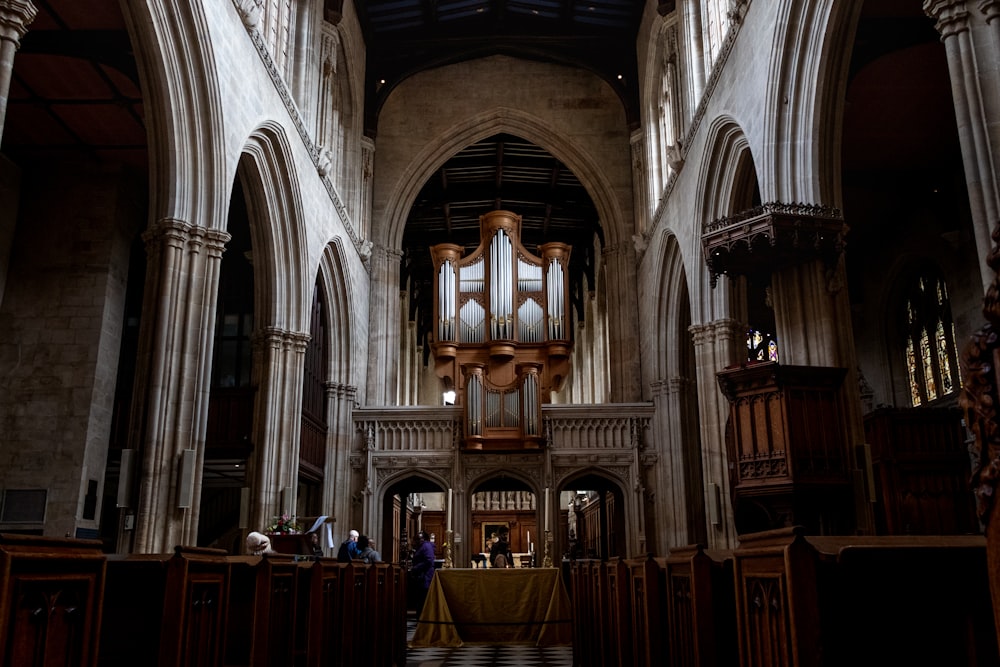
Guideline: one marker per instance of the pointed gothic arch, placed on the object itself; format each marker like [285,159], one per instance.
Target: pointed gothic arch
[521,124]
[268,175]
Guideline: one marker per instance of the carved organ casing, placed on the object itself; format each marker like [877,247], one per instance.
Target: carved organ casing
[502,334]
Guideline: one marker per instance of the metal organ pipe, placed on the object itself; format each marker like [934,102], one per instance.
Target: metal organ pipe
[555,291]
[446,301]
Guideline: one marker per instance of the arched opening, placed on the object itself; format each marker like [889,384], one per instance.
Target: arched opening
[504,504]
[590,522]
[228,439]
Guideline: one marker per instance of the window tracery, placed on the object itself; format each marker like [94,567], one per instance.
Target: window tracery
[929,340]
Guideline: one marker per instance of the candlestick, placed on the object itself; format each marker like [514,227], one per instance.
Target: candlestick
[449,510]
[546,509]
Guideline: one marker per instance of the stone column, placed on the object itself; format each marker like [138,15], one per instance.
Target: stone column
[679,480]
[696,41]
[279,359]
[970,31]
[383,326]
[339,442]
[173,372]
[813,318]
[716,345]
[15,16]
[623,325]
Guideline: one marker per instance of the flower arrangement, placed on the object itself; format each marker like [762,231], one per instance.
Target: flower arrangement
[284,525]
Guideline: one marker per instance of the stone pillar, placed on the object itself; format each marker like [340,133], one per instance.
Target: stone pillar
[623,325]
[813,318]
[679,479]
[279,359]
[173,374]
[15,16]
[383,326]
[696,41]
[970,30]
[339,442]
[803,298]
[641,177]
[364,214]
[716,345]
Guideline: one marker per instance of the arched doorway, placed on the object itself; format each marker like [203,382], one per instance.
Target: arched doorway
[504,504]
[591,518]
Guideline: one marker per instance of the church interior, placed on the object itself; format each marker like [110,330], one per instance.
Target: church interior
[662,291]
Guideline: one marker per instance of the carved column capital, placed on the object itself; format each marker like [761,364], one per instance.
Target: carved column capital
[990,8]
[15,17]
[951,16]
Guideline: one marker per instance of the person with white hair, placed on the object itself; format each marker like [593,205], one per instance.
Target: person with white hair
[258,544]
[349,548]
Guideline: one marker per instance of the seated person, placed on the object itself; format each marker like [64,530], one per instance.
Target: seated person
[500,555]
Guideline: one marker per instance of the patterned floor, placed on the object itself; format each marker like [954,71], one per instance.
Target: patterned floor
[487,655]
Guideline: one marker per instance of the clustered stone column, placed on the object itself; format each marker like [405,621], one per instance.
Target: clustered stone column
[15,16]
[279,359]
[173,376]
[716,345]
[970,31]
[971,35]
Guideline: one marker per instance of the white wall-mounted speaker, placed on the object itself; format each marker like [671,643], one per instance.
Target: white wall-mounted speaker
[185,482]
[126,476]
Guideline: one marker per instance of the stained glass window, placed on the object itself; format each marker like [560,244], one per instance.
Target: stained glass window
[930,353]
[761,346]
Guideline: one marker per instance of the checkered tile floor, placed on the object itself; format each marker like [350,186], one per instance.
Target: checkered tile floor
[487,655]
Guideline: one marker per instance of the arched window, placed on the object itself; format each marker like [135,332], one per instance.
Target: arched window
[929,340]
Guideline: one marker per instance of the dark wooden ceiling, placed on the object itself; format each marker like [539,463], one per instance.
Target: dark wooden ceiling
[404,37]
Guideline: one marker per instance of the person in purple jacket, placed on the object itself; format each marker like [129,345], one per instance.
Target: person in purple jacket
[422,568]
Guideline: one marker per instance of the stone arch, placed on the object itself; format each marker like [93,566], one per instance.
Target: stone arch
[807,74]
[721,179]
[526,126]
[613,541]
[183,112]
[340,323]
[274,205]
[672,298]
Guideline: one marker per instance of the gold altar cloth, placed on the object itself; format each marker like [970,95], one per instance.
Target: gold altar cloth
[490,606]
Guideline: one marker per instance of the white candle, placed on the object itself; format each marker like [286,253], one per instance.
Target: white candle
[546,509]
[449,509]
[529,540]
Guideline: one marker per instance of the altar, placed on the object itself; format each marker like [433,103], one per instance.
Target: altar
[492,606]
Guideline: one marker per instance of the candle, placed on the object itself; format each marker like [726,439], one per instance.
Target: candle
[546,509]
[449,509]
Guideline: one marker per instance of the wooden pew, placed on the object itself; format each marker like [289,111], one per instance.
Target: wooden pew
[646,592]
[264,609]
[823,601]
[169,611]
[617,624]
[699,607]
[585,604]
[51,595]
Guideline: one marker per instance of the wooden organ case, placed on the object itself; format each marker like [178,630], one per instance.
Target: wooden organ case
[502,337]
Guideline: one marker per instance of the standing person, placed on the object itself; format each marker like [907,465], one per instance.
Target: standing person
[348,548]
[422,569]
[366,550]
[500,555]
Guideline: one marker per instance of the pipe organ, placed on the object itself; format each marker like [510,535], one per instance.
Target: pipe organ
[501,339]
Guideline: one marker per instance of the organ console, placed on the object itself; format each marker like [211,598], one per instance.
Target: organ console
[502,336]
